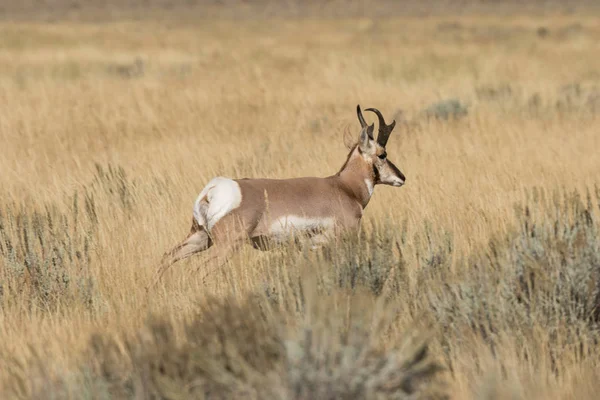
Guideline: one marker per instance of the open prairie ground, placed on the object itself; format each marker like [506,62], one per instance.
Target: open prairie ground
[489,255]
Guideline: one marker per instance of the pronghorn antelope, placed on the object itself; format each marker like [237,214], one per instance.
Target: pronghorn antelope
[229,212]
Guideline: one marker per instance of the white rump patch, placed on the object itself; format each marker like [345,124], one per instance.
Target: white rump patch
[283,227]
[217,199]
[370,187]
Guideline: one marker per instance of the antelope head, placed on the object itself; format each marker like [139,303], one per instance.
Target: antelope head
[374,152]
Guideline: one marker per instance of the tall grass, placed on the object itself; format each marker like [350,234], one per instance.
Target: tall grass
[478,279]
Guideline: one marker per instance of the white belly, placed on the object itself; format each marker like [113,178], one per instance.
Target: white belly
[283,228]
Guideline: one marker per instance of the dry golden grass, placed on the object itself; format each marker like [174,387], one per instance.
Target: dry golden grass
[176,104]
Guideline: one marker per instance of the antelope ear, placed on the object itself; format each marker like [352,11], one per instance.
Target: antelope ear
[364,141]
[348,140]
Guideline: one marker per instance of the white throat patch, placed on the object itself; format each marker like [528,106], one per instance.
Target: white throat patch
[370,187]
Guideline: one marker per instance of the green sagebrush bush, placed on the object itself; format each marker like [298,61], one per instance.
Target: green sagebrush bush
[46,252]
[244,350]
[538,284]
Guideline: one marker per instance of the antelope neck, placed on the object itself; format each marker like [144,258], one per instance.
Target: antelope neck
[357,176]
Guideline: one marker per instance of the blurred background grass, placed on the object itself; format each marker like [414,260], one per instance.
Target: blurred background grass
[60,10]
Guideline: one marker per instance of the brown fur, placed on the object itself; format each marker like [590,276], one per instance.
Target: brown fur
[341,197]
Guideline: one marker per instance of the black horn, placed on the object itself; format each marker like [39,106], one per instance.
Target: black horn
[384,129]
[361,119]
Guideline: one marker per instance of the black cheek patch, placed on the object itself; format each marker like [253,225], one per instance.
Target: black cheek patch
[375,174]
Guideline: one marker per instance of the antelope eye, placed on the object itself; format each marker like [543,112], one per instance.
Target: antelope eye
[382,156]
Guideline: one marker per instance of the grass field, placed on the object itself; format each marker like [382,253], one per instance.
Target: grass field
[489,256]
